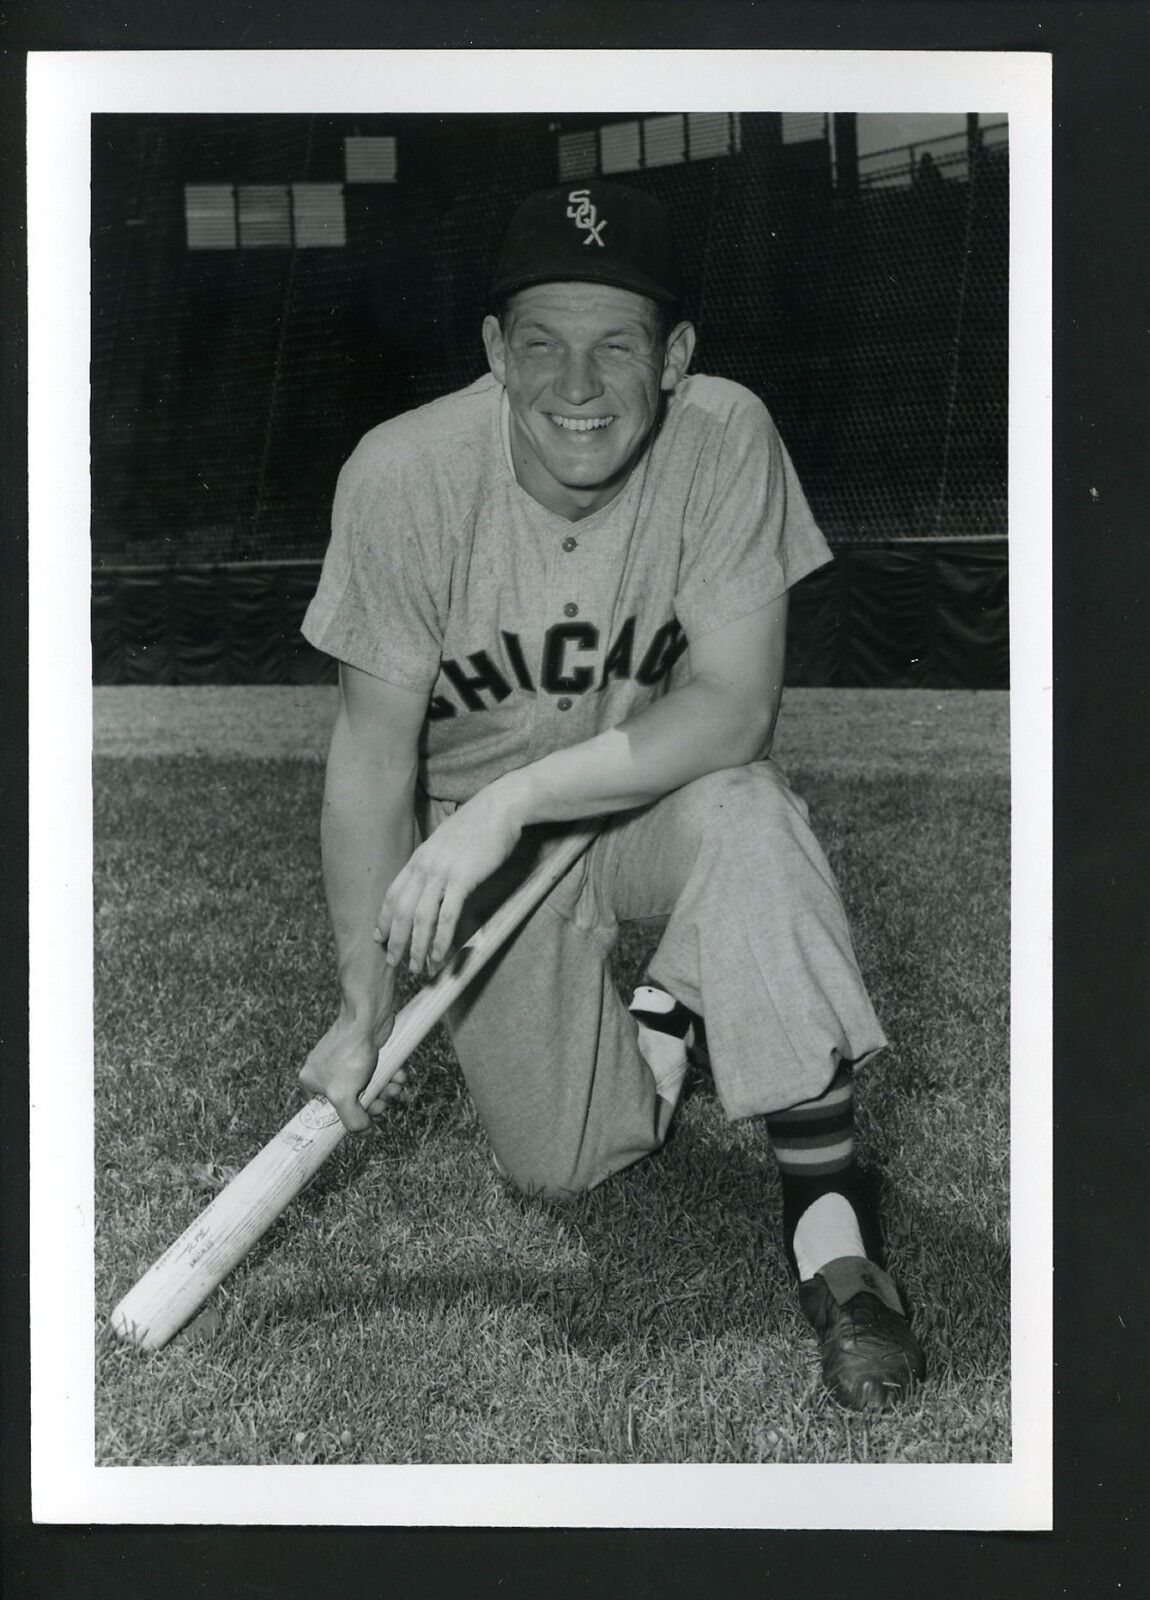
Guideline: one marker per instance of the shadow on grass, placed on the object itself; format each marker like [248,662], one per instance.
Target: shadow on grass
[683,1248]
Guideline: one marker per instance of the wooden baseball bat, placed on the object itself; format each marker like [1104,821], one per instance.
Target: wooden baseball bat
[174,1288]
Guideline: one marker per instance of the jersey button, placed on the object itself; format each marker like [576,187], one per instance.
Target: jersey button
[570,609]
[569,543]
[564,704]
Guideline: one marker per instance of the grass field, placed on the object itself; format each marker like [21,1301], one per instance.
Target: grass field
[409,1307]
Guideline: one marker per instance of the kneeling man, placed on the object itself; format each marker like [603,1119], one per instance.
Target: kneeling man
[561,594]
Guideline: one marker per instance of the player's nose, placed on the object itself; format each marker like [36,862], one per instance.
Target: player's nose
[579,378]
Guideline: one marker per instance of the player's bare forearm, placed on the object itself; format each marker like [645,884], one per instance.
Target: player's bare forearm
[367,836]
[723,716]
[699,728]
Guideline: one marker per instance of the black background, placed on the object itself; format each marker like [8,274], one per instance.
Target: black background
[1101,571]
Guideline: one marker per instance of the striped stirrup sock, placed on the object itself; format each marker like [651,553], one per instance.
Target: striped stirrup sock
[814,1146]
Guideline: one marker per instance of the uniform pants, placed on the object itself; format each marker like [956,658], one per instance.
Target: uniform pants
[756,941]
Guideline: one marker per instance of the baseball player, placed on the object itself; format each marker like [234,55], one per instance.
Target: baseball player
[561,594]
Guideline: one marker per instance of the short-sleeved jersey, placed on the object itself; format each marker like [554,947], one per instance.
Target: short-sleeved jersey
[529,632]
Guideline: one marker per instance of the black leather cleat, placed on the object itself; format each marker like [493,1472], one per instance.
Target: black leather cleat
[870,1357]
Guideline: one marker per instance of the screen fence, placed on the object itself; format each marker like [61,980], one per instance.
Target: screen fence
[265,289]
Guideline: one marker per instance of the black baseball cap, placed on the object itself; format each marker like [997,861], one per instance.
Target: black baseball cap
[591,232]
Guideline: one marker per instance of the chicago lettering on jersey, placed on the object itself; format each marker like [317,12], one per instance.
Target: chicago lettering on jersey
[573,661]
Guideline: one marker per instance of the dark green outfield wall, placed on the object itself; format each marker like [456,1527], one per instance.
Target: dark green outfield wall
[891,615]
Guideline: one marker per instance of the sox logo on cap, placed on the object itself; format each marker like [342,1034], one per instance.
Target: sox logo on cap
[584,214]
[560,236]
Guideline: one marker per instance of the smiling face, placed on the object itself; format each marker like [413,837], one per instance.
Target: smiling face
[585,366]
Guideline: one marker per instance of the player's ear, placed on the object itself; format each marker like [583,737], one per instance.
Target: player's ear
[493,344]
[677,356]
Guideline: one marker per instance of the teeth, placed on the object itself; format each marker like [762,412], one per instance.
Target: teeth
[580,424]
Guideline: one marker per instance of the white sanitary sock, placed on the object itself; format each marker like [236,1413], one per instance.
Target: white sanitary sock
[664,1053]
[827,1229]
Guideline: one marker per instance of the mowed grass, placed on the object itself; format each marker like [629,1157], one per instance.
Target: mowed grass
[409,1307]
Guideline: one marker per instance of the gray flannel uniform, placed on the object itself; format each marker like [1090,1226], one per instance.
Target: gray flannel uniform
[528,633]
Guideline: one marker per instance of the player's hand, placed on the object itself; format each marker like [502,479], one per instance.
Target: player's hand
[340,1067]
[421,909]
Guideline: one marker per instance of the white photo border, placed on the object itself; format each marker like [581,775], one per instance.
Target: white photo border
[64,91]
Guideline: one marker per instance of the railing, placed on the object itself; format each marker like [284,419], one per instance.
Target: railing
[902,163]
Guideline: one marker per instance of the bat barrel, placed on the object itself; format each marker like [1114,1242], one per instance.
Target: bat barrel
[174,1288]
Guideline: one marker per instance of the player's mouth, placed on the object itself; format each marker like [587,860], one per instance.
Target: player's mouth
[580,424]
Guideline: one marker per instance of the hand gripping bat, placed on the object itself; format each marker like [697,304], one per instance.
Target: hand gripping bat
[174,1288]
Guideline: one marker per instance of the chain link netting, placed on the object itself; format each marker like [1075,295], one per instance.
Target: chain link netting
[229,384]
